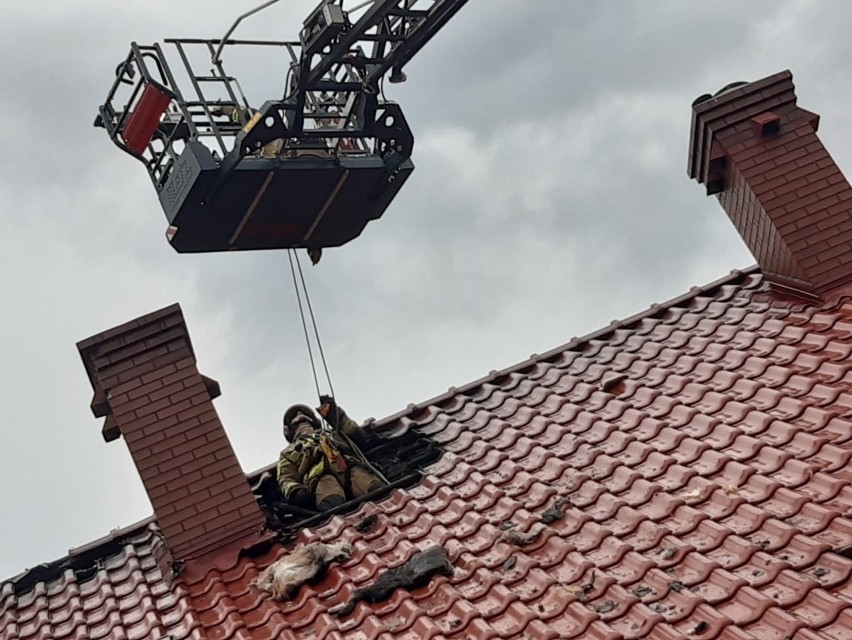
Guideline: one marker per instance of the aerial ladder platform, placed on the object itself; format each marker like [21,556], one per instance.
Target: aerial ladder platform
[308,169]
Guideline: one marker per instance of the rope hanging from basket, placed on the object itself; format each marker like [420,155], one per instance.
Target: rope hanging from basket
[301,289]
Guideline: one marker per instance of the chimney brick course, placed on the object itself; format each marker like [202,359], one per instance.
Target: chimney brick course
[147,386]
[758,152]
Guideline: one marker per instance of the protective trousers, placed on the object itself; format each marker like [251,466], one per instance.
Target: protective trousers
[329,491]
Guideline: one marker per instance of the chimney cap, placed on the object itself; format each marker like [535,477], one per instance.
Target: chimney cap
[87,346]
[734,103]
[726,89]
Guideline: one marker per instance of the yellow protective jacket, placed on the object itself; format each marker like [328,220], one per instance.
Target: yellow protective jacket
[307,458]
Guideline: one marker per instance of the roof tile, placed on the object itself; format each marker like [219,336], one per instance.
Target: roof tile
[819,608]
[746,606]
[775,623]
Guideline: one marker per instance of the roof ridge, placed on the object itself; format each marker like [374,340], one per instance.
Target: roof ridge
[733,276]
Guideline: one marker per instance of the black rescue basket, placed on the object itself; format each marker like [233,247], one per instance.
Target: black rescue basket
[309,170]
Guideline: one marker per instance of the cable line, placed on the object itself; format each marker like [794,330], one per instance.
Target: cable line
[302,316]
[314,324]
[296,265]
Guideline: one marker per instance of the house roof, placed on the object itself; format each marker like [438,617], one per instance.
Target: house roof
[698,454]
[112,588]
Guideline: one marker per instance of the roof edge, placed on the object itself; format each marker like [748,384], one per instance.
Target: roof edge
[78,559]
[575,342]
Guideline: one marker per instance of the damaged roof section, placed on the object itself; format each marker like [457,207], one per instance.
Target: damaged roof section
[400,455]
[704,494]
[116,588]
[681,474]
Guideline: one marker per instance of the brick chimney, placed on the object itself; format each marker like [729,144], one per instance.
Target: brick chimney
[758,152]
[149,390]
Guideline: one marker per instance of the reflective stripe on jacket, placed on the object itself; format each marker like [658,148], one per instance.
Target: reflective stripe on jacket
[303,462]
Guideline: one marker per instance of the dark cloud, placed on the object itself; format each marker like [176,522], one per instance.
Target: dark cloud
[517,61]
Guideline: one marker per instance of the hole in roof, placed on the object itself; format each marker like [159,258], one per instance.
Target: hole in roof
[846,552]
[501,380]
[419,413]
[472,391]
[87,573]
[401,458]
[449,403]
[614,384]
[555,358]
[84,564]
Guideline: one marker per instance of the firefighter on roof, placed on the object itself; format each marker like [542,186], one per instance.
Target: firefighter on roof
[319,468]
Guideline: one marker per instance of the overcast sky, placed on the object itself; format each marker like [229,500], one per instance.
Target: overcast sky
[550,197]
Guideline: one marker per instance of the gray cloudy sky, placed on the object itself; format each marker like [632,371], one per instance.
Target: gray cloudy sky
[550,197]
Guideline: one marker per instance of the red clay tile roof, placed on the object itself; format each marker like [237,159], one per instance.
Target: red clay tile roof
[124,596]
[701,456]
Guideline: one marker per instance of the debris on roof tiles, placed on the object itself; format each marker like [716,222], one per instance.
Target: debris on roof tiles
[554,512]
[415,572]
[367,523]
[283,577]
[587,588]
[515,537]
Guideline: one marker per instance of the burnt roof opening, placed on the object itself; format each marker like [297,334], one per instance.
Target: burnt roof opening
[85,564]
[401,458]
